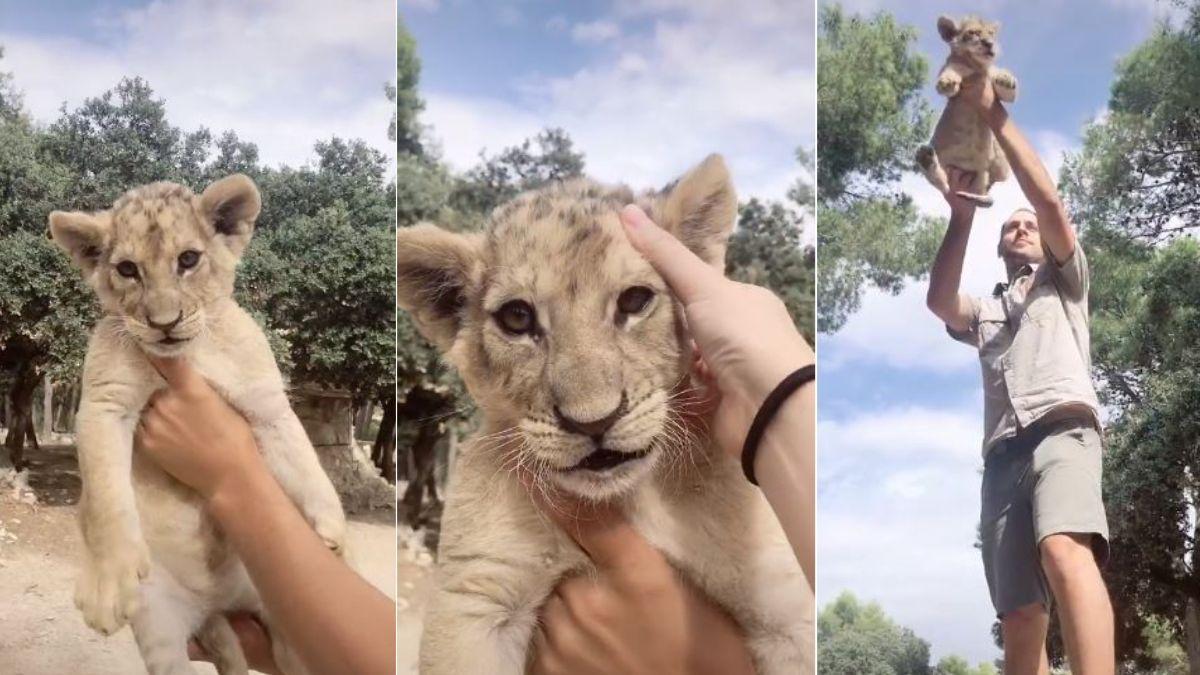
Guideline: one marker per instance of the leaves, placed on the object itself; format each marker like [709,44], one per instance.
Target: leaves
[870,121]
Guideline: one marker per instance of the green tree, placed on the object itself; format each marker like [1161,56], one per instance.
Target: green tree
[855,638]
[1133,190]
[765,249]
[546,158]
[870,121]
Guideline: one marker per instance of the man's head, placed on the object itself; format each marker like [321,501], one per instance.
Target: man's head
[1020,242]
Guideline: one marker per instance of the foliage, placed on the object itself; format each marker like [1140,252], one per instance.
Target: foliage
[325,285]
[765,249]
[855,638]
[546,158]
[870,121]
[1133,189]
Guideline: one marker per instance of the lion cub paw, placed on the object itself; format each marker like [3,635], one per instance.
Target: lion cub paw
[948,84]
[107,592]
[1005,84]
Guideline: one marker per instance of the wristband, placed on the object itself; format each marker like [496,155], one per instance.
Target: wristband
[770,406]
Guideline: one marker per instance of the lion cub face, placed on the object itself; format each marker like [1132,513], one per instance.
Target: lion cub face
[972,40]
[566,337]
[161,255]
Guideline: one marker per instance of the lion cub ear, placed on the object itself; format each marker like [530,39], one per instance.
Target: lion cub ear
[699,209]
[436,271]
[231,205]
[947,28]
[82,235]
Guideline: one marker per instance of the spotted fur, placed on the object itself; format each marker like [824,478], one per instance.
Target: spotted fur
[591,379]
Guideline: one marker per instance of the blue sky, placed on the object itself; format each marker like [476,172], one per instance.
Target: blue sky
[646,88]
[900,403]
[281,74]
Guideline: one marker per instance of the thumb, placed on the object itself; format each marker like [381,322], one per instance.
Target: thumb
[601,529]
[175,370]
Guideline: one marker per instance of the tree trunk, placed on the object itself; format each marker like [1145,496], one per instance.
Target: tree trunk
[1191,635]
[423,457]
[20,398]
[47,407]
[363,421]
[383,452]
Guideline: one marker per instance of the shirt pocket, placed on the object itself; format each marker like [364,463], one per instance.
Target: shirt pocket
[992,327]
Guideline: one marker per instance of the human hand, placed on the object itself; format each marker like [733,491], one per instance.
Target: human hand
[961,208]
[255,642]
[193,434]
[977,92]
[745,336]
[635,615]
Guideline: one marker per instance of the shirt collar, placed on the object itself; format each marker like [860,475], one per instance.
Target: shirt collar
[1022,271]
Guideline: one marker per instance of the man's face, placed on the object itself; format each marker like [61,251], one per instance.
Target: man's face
[1020,241]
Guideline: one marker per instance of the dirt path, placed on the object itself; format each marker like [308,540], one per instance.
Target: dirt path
[41,632]
[414,583]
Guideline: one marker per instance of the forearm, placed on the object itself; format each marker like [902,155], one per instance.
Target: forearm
[336,621]
[1035,181]
[945,277]
[786,470]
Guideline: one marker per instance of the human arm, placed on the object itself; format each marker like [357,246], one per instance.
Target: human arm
[1054,224]
[334,619]
[944,298]
[749,344]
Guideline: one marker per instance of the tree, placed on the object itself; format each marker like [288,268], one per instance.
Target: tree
[765,249]
[853,638]
[870,121]
[546,158]
[1133,190]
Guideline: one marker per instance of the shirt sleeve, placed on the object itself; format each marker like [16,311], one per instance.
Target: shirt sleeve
[970,336]
[1071,276]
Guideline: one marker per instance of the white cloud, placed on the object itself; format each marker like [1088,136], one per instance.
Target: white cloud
[280,74]
[595,31]
[705,79]
[897,521]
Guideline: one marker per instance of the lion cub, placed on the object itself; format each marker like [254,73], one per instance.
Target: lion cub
[577,354]
[962,139]
[161,261]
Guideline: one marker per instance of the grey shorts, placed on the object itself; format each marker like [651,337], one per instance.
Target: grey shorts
[1044,481]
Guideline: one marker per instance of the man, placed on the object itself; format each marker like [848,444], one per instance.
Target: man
[1042,526]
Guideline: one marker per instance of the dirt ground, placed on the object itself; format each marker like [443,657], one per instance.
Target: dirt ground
[41,632]
[414,583]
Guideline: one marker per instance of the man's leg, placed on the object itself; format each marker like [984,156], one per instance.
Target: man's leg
[1024,633]
[1083,605]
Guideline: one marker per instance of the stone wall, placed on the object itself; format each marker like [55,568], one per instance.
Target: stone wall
[327,416]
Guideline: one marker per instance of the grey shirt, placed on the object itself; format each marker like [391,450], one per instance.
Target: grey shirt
[1034,349]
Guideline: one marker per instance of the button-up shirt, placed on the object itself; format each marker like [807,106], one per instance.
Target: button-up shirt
[1034,348]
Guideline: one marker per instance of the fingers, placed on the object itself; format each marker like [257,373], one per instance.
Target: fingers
[599,528]
[176,371]
[687,275]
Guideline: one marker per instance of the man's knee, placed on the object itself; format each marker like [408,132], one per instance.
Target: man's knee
[1065,555]
[1025,618]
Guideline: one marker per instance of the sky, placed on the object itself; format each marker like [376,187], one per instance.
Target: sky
[645,88]
[281,73]
[901,406]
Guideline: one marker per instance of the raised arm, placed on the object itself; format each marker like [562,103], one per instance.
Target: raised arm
[944,298]
[1053,223]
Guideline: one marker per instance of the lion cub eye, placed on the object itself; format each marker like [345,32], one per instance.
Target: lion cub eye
[188,259]
[127,269]
[634,299]
[516,317]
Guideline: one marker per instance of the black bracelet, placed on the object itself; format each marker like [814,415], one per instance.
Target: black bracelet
[769,407]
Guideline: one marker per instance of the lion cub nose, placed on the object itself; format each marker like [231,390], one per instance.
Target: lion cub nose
[165,327]
[594,428]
